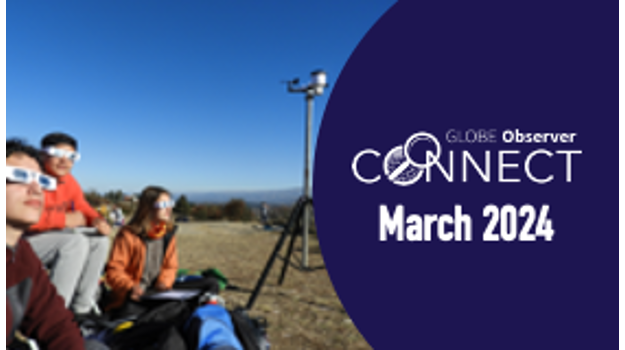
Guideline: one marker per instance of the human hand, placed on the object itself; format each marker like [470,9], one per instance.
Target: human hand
[161,287]
[102,226]
[136,292]
[75,219]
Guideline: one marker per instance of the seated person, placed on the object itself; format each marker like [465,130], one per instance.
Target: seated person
[117,216]
[144,255]
[75,260]
[32,305]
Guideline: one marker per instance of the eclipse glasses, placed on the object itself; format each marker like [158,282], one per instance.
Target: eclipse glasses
[27,176]
[164,204]
[61,153]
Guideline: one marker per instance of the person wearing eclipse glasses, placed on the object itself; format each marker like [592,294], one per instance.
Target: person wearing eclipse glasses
[32,304]
[70,237]
[144,256]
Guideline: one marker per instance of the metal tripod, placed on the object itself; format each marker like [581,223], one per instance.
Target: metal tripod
[293,229]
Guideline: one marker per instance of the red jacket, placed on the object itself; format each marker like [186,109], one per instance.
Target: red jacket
[33,306]
[67,197]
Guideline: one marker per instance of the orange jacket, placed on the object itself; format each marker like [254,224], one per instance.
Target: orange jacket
[67,197]
[125,266]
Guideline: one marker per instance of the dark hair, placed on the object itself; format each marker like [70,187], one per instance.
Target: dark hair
[141,221]
[17,146]
[58,138]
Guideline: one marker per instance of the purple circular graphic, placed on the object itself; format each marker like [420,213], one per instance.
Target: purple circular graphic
[509,239]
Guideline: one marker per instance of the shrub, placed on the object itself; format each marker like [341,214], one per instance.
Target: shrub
[182,206]
[207,212]
[237,210]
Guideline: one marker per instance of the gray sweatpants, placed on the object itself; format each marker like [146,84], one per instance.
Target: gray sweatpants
[75,260]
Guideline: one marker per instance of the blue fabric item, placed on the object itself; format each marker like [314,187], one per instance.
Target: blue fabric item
[211,328]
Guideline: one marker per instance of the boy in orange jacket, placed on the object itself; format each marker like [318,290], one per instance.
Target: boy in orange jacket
[70,238]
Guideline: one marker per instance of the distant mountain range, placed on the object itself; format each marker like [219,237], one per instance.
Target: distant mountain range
[284,196]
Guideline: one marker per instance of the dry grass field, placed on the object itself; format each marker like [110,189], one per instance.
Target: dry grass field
[303,313]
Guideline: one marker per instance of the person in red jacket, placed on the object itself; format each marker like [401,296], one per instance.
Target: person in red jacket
[32,305]
[70,237]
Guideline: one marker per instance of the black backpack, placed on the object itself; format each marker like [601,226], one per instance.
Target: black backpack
[252,332]
[149,336]
[159,328]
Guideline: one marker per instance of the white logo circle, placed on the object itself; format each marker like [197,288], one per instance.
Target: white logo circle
[401,169]
[422,136]
[398,170]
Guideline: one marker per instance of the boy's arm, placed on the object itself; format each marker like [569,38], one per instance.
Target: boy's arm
[46,319]
[81,204]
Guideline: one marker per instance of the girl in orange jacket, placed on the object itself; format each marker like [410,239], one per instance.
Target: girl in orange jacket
[144,255]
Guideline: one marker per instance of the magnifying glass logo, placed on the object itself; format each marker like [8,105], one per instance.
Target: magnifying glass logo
[399,166]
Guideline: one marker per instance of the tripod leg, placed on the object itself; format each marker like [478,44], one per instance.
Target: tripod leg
[272,259]
[293,222]
[287,259]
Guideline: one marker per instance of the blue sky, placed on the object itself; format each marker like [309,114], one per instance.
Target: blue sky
[185,94]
